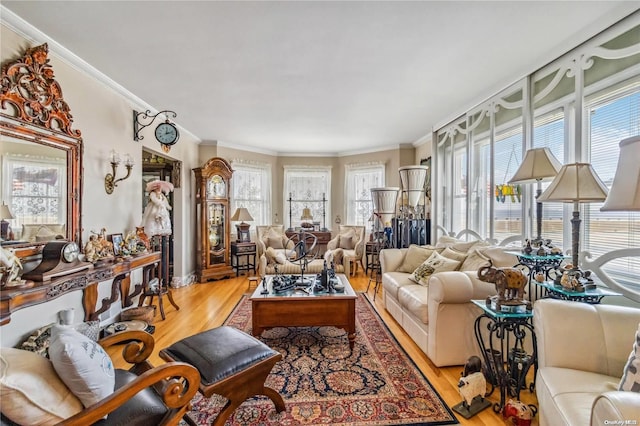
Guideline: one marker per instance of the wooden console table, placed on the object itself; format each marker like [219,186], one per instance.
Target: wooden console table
[87,281]
[323,238]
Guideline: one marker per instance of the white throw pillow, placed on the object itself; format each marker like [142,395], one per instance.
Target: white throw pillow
[450,253]
[414,257]
[82,365]
[631,377]
[435,263]
[31,391]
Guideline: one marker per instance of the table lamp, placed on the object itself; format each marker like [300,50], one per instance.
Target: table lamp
[242,214]
[624,194]
[538,164]
[575,183]
[5,213]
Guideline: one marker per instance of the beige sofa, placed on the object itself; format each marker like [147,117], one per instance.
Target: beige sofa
[439,316]
[582,351]
[274,249]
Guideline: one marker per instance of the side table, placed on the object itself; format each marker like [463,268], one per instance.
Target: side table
[371,256]
[537,264]
[246,250]
[506,360]
[593,297]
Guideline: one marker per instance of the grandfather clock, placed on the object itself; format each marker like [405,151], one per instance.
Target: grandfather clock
[212,220]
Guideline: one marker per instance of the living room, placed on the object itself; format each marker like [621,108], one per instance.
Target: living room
[103,115]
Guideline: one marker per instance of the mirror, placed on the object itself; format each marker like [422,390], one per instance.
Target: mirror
[41,155]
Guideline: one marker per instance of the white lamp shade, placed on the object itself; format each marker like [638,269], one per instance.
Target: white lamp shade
[384,203]
[242,214]
[5,213]
[538,164]
[413,179]
[576,182]
[625,189]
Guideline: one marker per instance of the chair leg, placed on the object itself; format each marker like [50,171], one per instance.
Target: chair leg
[161,305]
[170,296]
[275,397]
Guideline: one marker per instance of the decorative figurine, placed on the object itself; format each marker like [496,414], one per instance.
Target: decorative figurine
[472,387]
[527,248]
[156,219]
[520,413]
[510,284]
[11,268]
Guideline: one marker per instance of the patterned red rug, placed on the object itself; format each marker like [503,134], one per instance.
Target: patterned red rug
[322,382]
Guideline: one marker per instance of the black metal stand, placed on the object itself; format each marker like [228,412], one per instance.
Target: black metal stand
[505,359]
[538,264]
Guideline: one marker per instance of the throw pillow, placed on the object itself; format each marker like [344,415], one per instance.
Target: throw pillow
[38,341]
[275,242]
[474,261]
[499,257]
[91,329]
[435,263]
[270,253]
[335,256]
[31,391]
[450,253]
[631,377]
[414,257]
[281,258]
[82,365]
[347,242]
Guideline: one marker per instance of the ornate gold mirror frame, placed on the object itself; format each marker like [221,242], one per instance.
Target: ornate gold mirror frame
[32,109]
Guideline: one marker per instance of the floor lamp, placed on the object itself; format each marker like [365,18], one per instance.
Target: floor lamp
[538,164]
[575,183]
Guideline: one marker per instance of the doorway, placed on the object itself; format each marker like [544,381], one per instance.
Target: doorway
[157,167]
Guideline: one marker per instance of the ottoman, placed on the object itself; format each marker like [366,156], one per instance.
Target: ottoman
[231,363]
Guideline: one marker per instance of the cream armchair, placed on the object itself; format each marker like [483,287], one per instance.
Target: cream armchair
[582,352]
[350,239]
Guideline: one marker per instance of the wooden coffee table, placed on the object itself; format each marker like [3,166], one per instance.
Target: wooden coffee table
[297,308]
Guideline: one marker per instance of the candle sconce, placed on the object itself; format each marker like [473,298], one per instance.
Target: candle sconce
[110,181]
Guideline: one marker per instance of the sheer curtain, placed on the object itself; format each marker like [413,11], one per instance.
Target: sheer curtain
[251,188]
[307,187]
[360,178]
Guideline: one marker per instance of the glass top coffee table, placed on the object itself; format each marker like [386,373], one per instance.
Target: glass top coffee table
[304,305]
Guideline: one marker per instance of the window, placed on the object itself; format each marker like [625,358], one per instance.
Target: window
[359,181]
[33,188]
[307,188]
[251,188]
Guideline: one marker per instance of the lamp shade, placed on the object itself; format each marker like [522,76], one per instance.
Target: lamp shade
[413,179]
[384,203]
[538,164]
[5,213]
[242,214]
[625,189]
[576,182]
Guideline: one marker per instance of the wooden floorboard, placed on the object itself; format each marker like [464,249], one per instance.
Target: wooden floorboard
[206,305]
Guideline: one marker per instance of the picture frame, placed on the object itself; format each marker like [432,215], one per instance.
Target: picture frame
[116,240]
[244,235]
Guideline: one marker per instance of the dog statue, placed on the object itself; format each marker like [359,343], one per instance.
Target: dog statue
[519,413]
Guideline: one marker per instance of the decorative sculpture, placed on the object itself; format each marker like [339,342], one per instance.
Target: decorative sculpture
[472,387]
[11,267]
[510,284]
[520,413]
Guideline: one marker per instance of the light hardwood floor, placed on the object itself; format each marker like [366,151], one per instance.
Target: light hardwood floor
[207,305]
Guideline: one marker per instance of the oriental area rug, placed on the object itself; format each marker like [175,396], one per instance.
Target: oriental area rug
[323,382]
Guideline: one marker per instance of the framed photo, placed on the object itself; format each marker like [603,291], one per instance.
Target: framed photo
[116,240]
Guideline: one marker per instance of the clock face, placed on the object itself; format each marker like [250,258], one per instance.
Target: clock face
[167,133]
[70,252]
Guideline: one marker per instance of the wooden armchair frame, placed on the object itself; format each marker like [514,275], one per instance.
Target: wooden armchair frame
[175,382]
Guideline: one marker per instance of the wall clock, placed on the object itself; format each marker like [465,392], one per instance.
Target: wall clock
[58,258]
[167,133]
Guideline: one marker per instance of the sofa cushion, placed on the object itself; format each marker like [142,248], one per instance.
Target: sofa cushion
[274,242]
[450,253]
[435,263]
[31,391]
[413,298]
[567,394]
[348,240]
[82,364]
[475,260]
[414,257]
[631,375]
[392,281]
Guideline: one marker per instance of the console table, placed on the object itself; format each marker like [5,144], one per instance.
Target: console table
[87,281]
[323,238]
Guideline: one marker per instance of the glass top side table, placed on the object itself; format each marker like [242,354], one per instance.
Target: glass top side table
[594,296]
[538,264]
[501,337]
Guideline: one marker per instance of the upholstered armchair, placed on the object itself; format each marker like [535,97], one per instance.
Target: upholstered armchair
[35,392]
[350,239]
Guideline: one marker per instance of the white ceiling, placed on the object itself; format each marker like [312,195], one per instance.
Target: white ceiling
[317,78]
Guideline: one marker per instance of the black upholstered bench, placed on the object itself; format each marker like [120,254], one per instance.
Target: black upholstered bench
[231,363]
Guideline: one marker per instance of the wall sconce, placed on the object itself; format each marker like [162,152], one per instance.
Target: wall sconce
[110,181]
